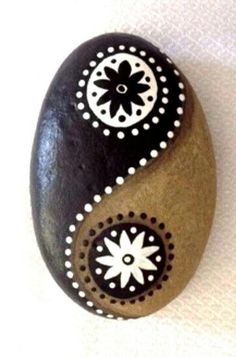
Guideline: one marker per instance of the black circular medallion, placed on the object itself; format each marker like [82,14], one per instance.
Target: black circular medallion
[126,259]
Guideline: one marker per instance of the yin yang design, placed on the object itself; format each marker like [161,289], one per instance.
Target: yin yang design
[113,109]
[127,93]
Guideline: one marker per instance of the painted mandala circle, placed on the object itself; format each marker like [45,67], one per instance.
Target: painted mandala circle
[122,90]
[126,259]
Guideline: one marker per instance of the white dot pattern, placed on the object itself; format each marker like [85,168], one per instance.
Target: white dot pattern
[131,170]
[162,78]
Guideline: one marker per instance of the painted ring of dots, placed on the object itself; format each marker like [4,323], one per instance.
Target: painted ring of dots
[163,94]
[86,275]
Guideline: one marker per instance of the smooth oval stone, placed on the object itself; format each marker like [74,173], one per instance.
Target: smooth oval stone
[122,178]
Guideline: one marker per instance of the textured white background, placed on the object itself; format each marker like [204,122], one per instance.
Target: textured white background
[37,318]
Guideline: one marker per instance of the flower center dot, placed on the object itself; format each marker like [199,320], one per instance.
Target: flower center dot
[121,88]
[128,259]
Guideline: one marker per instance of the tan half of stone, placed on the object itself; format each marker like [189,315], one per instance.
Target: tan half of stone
[179,189]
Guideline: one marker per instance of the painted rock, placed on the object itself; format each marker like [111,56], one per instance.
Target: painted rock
[122,178]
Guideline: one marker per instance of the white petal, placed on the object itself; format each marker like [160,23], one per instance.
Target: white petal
[146,264]
[149,250]
[106,260]
[125,243]
[111,272]
[113,248]
[124,278]
[138,275]
[138,242]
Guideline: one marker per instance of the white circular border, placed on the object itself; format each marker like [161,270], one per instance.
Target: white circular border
[164,95]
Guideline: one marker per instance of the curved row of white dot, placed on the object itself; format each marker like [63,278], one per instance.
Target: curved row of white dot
[146,126]
[131,171]
[88,207]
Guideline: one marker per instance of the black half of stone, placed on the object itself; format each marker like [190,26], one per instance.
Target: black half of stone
[72,161]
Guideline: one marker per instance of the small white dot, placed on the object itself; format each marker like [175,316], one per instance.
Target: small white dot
[99,311]
[68,252]
[163,145]
[98,271]
[180,110]
[159,69]
[161,110]
[88,207]
[142,53]
[132,288]
[154,153]
[177,123]
[75,285]
[120,318]
[86,72]
[150,277]
[81,83]
[158,258]
[80,106]
[89,303]
[132,49]
[151,239]
[97,198]
[131,170]
[163,79]
[165,90]
[92,64]
[113,233]
[68,264]
[135,132]
[170,134]
[176,72]
[108,190]
[122,47]
[72,228]
[146,126]
[155,120]
[151,60]
[120,135]
[95,124]
[70,274]
[133,230]
[99,248]
[119,180]
[182,97]
[86,115]
[79,94]
[181,85]
[109,316]
[79,217]
[165,100]
[110,49]
[168,60]
[112,285]
[82,294]
[106,132]
[100,55]
[142,162]
[69,240]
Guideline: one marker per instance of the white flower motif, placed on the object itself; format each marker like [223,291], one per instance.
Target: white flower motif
[128,258]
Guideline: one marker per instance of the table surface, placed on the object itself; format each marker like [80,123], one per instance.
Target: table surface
[36,316]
